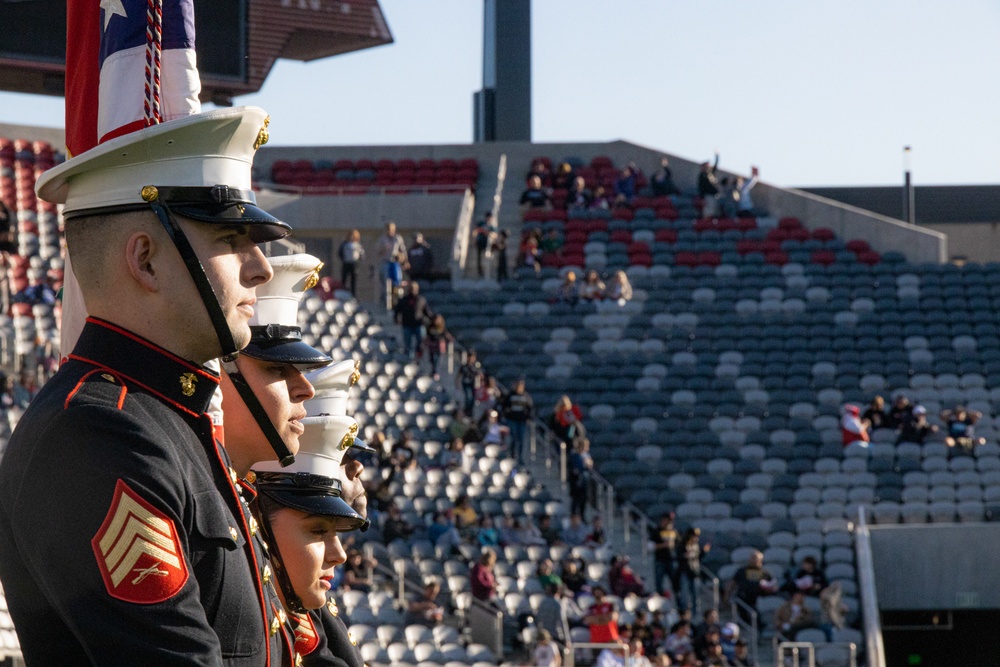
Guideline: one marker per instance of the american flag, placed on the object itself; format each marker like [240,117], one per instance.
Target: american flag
[129,64]
[113,87]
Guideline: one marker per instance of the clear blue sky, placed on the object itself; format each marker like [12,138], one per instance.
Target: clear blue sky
[823,92]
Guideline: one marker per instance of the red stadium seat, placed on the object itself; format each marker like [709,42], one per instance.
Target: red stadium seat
[621,236]
[789,223]
[869,257]
[858,246]
[709,258]
[823,234]
[824,257]
[779,258]
[666,235]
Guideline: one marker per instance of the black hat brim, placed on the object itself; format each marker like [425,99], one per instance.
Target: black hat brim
[311,502]
[295,352]
[261,225]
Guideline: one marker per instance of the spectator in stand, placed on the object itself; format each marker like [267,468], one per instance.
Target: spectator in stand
[540,169]
[38,292]
[465,515]
[564,176]
[741,655]
[623,579]
[576,532]
[573,577]
[664,537]
[8,230]
[678,642]
[689,553]
[350,253]
[488,397]
[580,196]
[569,291]
[729,634]
[443,534]
[619,288]
[549,532]
[713,656]
[875,414]
[729,198]
[552,243]
[625,184]
[641,629]
[916,428]
[528,533]
[454,455]
[592,288]
[602,618]
[396,527]
[500,250]
[709,625]
[436,340]
[412,313]
[357,572]
[530,254]
[545,574]
[428,607]
[745,207]
[420,258]
[832,609]
[899,413]
[509,531]
[392,256]
[518,410]
[534,197]
[579,477]
[488,535]
[567,421]
[637,654]
[749,583]
[600,201]
[662,180]
[546,653]
[808,579]
[708,188]
[494,433]
[597,537]
[960,429]
[469,378]
[852,427]
[483,234]
[482,579]
[793,615]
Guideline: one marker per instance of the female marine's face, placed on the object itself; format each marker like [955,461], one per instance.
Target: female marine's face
[310,550]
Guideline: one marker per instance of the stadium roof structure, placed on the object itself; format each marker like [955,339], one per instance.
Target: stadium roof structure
[294,29]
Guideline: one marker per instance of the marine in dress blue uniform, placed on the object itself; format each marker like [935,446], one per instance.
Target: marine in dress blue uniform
[124,537]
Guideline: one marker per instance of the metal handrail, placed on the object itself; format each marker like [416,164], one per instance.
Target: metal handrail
[571,649]
[753,626]
[794,649]
[869,601]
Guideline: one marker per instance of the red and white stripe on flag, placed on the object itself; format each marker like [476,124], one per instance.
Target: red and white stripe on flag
[129,64]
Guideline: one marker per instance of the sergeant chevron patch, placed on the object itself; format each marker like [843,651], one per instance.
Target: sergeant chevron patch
[306,639]
[138,551]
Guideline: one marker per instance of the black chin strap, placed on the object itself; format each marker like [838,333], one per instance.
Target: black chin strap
[201,282]
[285,456]
[265,507]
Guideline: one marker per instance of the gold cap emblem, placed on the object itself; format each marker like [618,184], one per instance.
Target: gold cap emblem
[188,381]
[149,193]
[262,135]
[313,278]
[348,438]
[233,533]
[356,375]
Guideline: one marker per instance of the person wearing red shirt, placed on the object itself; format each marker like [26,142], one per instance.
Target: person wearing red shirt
[602,617]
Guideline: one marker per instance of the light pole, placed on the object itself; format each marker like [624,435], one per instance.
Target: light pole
[909,210]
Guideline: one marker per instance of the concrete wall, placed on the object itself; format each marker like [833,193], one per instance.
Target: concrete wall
[56,136]
[883,233]
[939,566]
[971,241]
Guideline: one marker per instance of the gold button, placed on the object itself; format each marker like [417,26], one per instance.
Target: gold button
[332,606]
[251,477]
[298,660]
[233,476]
[108,376]
[263,544]
[274,626]
[281,615]
[253,526]
[233,533]
[267,574]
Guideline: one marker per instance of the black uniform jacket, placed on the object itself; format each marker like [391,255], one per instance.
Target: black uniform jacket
[322,640]
[124,538]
